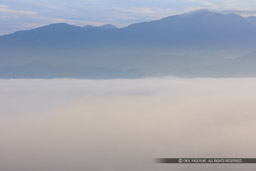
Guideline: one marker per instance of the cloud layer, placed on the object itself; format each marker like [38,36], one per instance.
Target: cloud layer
[62,125]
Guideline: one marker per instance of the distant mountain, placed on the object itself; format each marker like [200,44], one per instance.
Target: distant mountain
[252,20]
[88,26]
[200,43]
[106,26]
[200,28]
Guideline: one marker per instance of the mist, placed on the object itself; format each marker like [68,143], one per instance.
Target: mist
[125,124]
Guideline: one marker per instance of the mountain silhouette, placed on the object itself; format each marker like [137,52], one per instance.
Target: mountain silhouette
[195,44]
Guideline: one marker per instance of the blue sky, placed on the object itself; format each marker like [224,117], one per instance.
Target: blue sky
[26,14]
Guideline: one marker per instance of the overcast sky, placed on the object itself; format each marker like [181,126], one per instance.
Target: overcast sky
[26,14]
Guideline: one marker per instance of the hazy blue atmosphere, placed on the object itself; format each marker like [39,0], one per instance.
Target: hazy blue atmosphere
[112,85]
[26,14]
[201,43]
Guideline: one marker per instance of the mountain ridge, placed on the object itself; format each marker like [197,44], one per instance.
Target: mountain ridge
[200,43]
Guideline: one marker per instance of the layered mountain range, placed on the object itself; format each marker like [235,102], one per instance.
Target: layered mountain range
[197,44]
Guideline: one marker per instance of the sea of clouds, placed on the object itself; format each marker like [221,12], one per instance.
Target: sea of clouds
[125,124]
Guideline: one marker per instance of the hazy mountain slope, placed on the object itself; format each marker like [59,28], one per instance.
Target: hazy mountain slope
[201,27]
[200,43]
[252,20]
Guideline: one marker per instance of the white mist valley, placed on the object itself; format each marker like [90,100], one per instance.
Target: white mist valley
[125,124]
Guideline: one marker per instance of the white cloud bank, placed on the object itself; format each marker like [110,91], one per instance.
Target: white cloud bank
[106,125]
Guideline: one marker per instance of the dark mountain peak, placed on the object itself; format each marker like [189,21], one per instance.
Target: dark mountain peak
[55,28]
[59,26]
[201,15]
[202,12]
[212,14]
[46,33]
[214,19]
[88,26]
[106,26]
[198,21]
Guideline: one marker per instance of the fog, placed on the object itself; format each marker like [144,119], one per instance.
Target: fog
[125,124]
